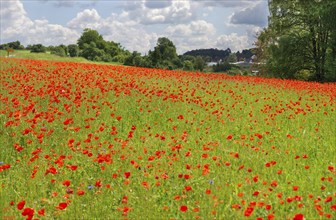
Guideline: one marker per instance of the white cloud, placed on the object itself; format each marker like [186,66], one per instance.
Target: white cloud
[117,27]
[225,3]
[13,17]
[70,3]
[194,28]
[157,12]
[157,4]
[16,25]
[194,35]
[89,18]
[256,15]
[233,41]
[138,24]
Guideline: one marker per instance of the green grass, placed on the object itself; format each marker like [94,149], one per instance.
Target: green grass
[26,54]
[244,143]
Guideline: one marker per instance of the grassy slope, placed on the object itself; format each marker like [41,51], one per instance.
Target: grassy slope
[26,54]
[273,129]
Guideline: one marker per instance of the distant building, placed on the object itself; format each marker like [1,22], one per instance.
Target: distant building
[254,58]
[211,63]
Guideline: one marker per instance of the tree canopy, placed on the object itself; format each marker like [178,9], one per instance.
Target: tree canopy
[16,45]
[211,55]
[164,54]
[92,46]
[300,39]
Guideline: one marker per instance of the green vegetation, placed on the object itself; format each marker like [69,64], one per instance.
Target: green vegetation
[26,54]
[300,41]
[92,47]
[37,48]
[212,54]
[16,45]
[87,141]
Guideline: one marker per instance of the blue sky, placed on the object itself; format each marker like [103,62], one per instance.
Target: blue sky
[136,24]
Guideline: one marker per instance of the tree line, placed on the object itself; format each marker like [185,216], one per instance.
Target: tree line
[92,46]
[300,40]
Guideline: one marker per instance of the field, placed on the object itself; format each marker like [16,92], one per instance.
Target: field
[89,141]
[26,54]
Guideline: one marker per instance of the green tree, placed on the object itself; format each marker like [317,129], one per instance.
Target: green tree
[133,59]
[189,58]
[288,58]
[90,36]
[222,67]
[231,58]
[164,54]
[16,45]
[188,65]
[91,52]
[38,48]
[199,63]
[59,51]
[92,46]
[300,25]
[112,48]
[73,50]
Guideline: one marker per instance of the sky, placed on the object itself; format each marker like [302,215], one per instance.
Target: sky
[136,24]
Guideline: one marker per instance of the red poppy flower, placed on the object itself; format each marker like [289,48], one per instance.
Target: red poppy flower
[298,217]
[270,216]
[80,192]
[68,121]
[145,184]
[256,193]
[248,211]
[21,204]
[66,183]
[268,207]
[62,205]
[295,188]
[41,212]
[127,174]
[333,207]
[124,200]
[28,212]
[69,191]
[188,188]
[183,208]
[328,199]
[98,183]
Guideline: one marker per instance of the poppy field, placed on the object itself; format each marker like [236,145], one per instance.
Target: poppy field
[88,141]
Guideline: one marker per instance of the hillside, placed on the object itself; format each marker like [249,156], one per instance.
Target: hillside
[26,54]
[214,55]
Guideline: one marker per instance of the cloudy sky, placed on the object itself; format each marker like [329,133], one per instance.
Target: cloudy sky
[136,24]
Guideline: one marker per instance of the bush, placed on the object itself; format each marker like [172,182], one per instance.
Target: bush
[303,75]
[59,51]
[38,48]
[119,58]
[73,50]
[222,67]
[187,65]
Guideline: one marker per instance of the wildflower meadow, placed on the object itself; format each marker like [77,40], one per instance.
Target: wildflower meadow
[89,141]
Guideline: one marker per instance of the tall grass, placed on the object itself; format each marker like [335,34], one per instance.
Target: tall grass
[87,141]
